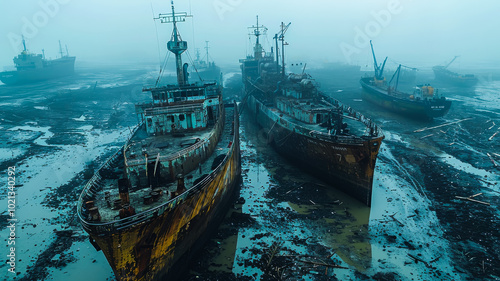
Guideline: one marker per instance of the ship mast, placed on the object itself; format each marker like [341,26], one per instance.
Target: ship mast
[277,53]
[60,49]
[206,48]
[257,49]
[281,37]
[24,44]
[176,45]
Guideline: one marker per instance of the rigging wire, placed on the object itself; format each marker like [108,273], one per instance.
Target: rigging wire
[157,38]
[192,62]
[192,26]
[162,67]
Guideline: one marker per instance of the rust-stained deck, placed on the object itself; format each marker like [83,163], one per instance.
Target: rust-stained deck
[104,199]
[357,126]
[164,145]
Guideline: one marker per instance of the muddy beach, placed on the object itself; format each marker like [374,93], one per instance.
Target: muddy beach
[286,225]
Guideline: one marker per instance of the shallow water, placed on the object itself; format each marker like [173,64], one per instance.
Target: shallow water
[286,222]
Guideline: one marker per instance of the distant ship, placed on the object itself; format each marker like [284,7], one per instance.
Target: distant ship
[443,74]
[206,69]
[307,126]
[32,68]
[424,103]
[151,206]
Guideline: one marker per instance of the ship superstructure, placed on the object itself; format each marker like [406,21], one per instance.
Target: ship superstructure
[206,70]
[309,127]
[442,73]
[423,103]
[155,201]
[32,68]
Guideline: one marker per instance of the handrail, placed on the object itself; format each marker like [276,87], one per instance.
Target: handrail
[153,212]
[97,175]
[374,129]
[179,153]
[170,108]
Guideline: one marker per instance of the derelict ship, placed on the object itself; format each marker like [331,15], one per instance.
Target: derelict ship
[206,69]
[443,74]
[303,124]
[153,203]
[34,67]
[424,103]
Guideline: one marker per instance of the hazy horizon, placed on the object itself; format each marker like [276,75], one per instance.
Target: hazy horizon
[415,33]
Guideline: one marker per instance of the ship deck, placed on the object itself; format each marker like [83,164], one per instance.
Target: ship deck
[142,144]
[384,91]
[356,127]
[110,212]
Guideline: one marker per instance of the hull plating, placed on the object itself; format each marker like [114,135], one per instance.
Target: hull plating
[454,78]
[420,109]
[345,163]
[55,70]
[149,245]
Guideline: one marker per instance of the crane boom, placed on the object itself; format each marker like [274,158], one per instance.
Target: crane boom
[451,62]
[378,70]
[281,37]
[375,65]
[381,71]
[283,31]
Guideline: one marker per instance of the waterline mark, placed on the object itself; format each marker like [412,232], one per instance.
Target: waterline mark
[30,27]
[11,209]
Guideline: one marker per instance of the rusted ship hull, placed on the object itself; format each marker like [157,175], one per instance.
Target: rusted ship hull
[453,78]
[156,244]
[346,164]
[424,110]
[57,68]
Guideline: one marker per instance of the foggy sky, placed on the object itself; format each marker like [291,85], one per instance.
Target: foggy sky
[417,33]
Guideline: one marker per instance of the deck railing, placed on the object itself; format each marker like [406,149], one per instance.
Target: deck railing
[102,228]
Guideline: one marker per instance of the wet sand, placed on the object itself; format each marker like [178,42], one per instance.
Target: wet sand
[287,225]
